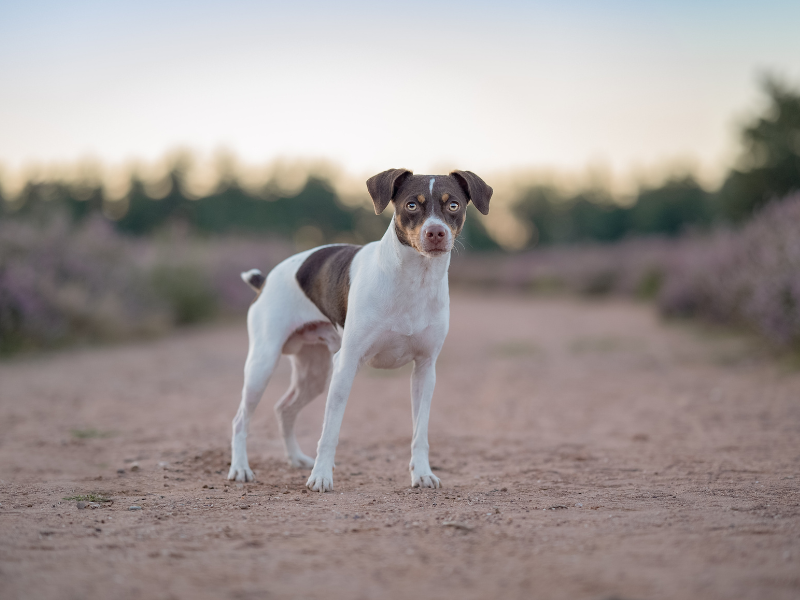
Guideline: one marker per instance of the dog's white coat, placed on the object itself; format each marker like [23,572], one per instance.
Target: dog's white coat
[398,312]
[430,186]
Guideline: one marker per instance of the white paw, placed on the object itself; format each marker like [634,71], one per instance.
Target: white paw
[428,480]
[241,473]
[320,481]
[301,461]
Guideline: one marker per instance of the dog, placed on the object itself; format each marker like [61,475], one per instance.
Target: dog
[336,307]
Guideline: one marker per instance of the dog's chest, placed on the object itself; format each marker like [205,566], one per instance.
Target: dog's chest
[416,325]
[393,350]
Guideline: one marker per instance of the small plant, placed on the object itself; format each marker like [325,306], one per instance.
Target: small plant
[547,284]
[602,345]
[92,497]
[188,292]
[512,348]
[90,433]
[649,284]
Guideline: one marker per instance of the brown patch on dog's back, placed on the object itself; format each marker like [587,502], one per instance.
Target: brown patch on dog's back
[325,278]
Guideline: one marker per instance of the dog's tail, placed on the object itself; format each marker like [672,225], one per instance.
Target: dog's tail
[254,278]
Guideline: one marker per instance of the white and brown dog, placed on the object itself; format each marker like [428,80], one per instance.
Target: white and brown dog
[336,307]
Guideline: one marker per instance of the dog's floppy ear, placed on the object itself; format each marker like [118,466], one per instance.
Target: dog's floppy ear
[383,187]
[475,189]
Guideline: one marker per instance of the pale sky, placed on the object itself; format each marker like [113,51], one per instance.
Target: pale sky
[490,87]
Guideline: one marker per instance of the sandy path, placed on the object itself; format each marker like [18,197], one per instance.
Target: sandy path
[587,451]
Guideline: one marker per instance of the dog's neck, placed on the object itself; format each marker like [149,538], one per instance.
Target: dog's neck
[404,262]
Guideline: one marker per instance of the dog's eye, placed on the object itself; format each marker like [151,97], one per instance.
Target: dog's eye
[453,206]
[412,206]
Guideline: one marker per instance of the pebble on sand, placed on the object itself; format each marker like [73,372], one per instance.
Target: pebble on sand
[134,508]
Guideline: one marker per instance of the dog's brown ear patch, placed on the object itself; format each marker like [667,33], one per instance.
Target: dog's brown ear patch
[383,187]
[475,189]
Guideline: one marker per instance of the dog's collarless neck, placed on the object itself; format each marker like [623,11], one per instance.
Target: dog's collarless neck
[397,256]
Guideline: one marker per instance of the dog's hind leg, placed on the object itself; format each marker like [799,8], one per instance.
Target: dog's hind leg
[262,358]
[311,370]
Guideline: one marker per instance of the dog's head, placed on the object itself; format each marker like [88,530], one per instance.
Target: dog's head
[429,210]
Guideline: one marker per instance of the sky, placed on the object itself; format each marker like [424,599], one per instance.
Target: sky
[625,88]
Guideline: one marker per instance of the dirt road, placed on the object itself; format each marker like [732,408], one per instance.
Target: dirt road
[587,451]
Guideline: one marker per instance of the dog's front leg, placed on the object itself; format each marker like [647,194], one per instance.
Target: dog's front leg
[423,380]
[345,366]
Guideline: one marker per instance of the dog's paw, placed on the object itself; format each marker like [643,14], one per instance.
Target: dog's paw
[425,481]
[320,481]
[241,473]
[301,461]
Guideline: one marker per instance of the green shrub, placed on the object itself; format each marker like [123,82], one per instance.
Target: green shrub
[650,284]
[187,291]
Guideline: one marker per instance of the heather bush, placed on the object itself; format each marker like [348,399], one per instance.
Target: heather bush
[749,276]
[188,292]
[210,267]
[61,284]
[57,284]
[632,267]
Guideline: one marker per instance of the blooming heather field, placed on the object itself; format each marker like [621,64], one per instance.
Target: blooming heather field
[59,285]
[747,277]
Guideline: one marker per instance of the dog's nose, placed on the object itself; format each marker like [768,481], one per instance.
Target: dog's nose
[435,233]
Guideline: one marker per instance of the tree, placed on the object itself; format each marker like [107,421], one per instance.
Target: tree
[770,162]
[670,208]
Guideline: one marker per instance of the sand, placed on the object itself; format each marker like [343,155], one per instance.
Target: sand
[587,450]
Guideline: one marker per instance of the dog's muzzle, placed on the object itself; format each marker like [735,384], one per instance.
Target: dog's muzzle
[435,239]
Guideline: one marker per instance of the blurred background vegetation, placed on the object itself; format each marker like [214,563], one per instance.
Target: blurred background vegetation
[80,262]
[768,168]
